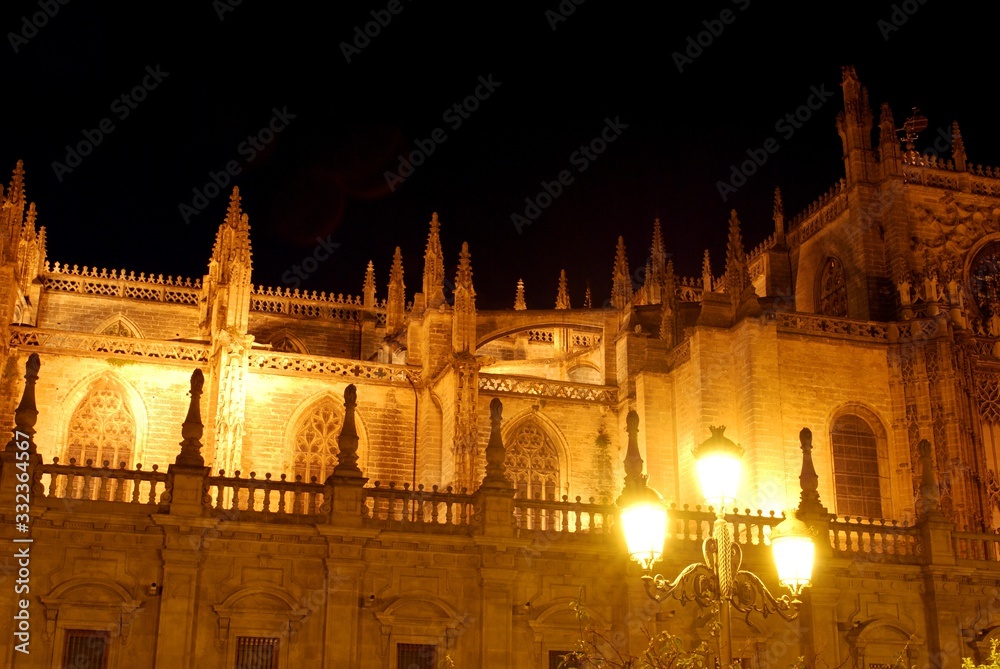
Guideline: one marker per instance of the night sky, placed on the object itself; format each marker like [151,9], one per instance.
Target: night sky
[310,117]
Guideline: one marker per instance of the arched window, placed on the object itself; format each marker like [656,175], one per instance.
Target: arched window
[833,289]
[102,427]
[856,477]
[316,441]
[984,280]
[287,344]
[532,463]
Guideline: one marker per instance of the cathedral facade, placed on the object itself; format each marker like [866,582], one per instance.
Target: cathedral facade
[872,317]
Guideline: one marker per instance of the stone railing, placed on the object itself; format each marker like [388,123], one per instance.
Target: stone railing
[552,516]
[261,499]
[679,354]
[818,214]
[295,363]
[116,283]
[830,326]
[304,304]
[86,343]
[875,540]
[979,546]
[402,509]
[516,385]
[74,483]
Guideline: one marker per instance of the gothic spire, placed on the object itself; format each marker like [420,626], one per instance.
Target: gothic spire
[434,266]
[464,332]
[519,303]
[369,287]
[621,283]
[588,302]
[562,297]
[737,275]
[957,147]
[396,302]
[779,219]
[706,273]
[657,266]
[667,305]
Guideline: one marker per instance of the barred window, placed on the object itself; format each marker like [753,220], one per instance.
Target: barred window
[855,468]
[316,442]
[102,427]
[256,652]
[984,280]
[833,289]
[416,656]
[558,660]
[532,463]
[86,648]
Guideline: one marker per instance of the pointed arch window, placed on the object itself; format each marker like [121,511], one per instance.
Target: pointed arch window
[833,289]
[119,328]
[102,427]
[316,442]
[857,482]
[532,463]
[287,344]
[984,280]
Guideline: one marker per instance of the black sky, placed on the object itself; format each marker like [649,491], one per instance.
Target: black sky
[323,174]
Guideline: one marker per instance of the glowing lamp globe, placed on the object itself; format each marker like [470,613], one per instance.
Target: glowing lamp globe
[643,517]
[719,462]
[794,554]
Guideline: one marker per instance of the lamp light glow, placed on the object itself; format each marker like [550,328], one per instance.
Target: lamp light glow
[794,554]
[719,465]
[643,517]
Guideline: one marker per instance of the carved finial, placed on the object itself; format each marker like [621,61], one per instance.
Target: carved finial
[621,281]
[369,288]
[26,413]
[395,306]
[779,218]
[463,277]
[588,302]
[957,147]
[495,451]
[347,440]
[433,283]
[633,461]
[192,429]
[930,494]
[15,192]
[809,502]
[519,303]
[562,297]
[706,273]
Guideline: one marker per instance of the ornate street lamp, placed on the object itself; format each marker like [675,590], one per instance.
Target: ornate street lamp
[718,580]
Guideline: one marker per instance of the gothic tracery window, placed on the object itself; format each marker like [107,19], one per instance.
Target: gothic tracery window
[532,463]
[855,468]
[287,345]
[316,442]
[102,428]
[984,280]
[118,329]
[833,289]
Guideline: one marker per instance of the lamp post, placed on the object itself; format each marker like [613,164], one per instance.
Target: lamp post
[718,580]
